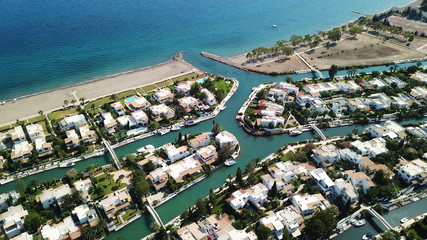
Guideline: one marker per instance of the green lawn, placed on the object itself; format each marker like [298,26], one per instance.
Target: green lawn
[4,128]
[125,94]
[99,102]
[181,78]
[61,113]
[129,213]
[221,84]
[37,119]
[43,124]
[220,201]
[149,88]
[109,187]
[164,83]
[286,156]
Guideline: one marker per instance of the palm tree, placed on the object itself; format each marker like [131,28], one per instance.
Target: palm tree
[89,233]
[66,103]
[71,173]
[114,97]
[41,112]
[73,101]
[101,226]
[93,107]
[35,184]
[82,101]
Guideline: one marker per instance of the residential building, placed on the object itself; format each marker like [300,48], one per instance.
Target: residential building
[137,103]
[23,236]
[210,100]
[323,87]
[12,221]
[420,76]
[43,148]
[200,140]
[322,180]
[163,95]
[110,123]
[348,87]
[184,87]
[350,156]
[269,181]
[72,140]
[372,147]
[402,101]
[238,199]
[419,93]
[379,101]
[395,80]
[83,187]
[207,154]
[188,166]
[269,108]
[53,195]
[413,172]
[117,201]
[88,136]
[74,121]
[65,229]
[34,131]
[377,83]
[223,138]
[13,195]
[17,135]
[291,219]
[127,121]
[272,222]
[359,180]
[239,235]
[118,108]
[84,214]
[345,190]
[271,121]
[188,103]
[140,118]
[174,153]
[339,106]
[151,157]
[158,178]
[191,232]
[369,167]
[21,151]
[276,94]
[258,195]
[308,204]
[359,103]
[158,111]
[291,88]
[317,105]
[417,132]
[325,155]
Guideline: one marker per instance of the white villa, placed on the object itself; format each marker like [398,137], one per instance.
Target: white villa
[74,121]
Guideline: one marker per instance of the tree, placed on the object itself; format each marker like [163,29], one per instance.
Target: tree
[239,177]
[82,101]
[333,70]
[72,173]
[114,97]
[322,224]
[73,101]
[262,232]
[212,198]
[141,186]
[89,233]
[272,193]
[355,30]
[308,38]
[296,40]
[390,235]
[32,222]
[200,209]
[154,227]
[21,185]
[35,184]
[195,89]
[40,112]
[224,153]
[162,235]
[216,129]
[334,34]
[66,102]
[286,235]
[288,51]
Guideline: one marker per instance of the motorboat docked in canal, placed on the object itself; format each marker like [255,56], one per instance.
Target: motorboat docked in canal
[66,164]
[295,132]
[360,223]
[146,149]
[367,236]
[99,152]
[229,163]
[191,122]
[404,220]
[163,131]
[175,127]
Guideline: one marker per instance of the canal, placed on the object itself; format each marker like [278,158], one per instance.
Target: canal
[251,147]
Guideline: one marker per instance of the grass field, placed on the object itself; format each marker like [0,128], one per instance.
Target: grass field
[109,186]
[61,113]
[37,119]
[129,213]
[223,85]
[149,88]
[4,128]
[181,78]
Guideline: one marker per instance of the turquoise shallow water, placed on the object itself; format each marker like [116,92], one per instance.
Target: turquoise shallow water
[49,44]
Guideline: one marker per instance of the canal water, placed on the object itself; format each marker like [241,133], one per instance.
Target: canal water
[251,147]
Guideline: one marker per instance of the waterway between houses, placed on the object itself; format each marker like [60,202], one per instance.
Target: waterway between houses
[251,147]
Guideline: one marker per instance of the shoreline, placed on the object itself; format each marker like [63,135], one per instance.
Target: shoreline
[28,106]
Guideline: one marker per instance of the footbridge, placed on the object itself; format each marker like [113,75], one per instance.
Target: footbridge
[318,131]
[111,150]
[154,214]
[380,218]
[311,67]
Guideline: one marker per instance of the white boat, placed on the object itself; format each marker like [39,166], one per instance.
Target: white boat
[223,107]
[147,149]
[175,127]
[360,223]
[2,103]
[367,236]
[66,164]
[274,26]
[163,131]
[295,132]
[100,152]
[404,220]
[191,122]
[229,163]
[240,124]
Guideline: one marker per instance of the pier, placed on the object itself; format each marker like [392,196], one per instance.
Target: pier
[154,214]
[311,67]
[380,218]
[113,154]
[318,131]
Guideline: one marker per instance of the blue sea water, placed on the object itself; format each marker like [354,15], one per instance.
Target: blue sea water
[49,44]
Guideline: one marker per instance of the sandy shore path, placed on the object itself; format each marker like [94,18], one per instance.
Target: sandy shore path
[48,101]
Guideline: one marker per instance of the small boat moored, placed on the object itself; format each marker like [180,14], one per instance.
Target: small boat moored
[404,220]
[229,163]
[66,164]
[175,127]
[191,122]
[147,149]
[100,152]
[274,26]
[295,132]
[367,236]
[163,131]
[360,223]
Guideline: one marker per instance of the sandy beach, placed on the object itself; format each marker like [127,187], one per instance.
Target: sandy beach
[28,107]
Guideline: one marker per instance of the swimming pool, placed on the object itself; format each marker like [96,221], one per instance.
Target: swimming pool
[130,99]
[202,80]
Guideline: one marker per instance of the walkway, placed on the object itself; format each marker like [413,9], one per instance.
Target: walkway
[312,68]
[111,150]
[318,131]
[379,217]
[154,214]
